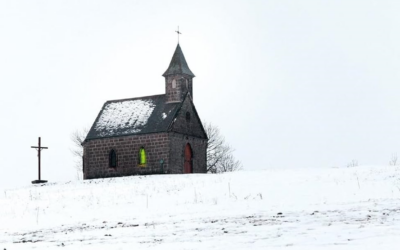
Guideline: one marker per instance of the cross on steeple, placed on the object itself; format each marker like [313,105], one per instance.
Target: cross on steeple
[179,33]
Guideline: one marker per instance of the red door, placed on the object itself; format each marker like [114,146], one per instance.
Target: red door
[188,160]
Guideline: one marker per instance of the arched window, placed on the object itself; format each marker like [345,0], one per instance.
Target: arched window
[142,157]
[173,83]
[112,159]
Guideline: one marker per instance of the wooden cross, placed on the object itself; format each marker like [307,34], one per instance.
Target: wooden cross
[39,148]
[179,33]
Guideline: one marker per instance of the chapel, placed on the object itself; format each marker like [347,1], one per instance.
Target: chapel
[159,134]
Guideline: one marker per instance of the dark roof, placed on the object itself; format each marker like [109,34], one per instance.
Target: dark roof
[178,64]
[141,115]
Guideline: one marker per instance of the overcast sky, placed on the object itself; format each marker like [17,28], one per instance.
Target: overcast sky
[289,83]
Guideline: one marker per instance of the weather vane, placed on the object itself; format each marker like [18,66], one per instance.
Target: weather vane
[179,33]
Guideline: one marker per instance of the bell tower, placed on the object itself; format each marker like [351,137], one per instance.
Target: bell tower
[178,78]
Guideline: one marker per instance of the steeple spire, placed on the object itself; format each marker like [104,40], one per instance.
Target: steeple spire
[178,78]
[178,64]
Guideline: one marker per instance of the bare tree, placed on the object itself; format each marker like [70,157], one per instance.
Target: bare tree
[353,163]
[393,160]
[219,154]
[77,137]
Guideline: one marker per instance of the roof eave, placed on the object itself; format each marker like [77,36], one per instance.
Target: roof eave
[180,73]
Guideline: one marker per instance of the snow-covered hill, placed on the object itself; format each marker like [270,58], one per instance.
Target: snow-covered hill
[352,208]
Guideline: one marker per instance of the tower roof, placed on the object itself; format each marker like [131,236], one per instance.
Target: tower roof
[178,64]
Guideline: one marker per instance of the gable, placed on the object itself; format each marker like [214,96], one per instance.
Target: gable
[182,125]
[133,116]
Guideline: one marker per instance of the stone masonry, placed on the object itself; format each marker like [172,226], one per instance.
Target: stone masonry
[96,162]
[168,146]
[176,86]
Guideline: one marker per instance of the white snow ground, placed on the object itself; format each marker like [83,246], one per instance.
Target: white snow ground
[352,208]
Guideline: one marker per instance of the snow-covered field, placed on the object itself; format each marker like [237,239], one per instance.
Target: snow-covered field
[351,208]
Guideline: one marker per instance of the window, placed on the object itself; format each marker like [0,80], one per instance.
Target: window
[173,83]
[188,116]
[142,157]
[112,159]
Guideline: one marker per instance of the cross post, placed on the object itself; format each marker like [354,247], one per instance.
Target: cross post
[179,33]
[39,149]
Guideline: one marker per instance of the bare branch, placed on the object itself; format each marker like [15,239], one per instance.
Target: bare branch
[393,160]
[77,137]
[353,163]
[219,154]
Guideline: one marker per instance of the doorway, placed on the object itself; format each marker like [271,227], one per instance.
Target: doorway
[188,166]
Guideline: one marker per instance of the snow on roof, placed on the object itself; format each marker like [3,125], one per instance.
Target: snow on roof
[141,115]
[129,115]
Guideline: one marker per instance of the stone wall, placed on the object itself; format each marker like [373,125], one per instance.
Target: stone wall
[183,84]
[96,155]
[188,126]
[169,147]
[177,144]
